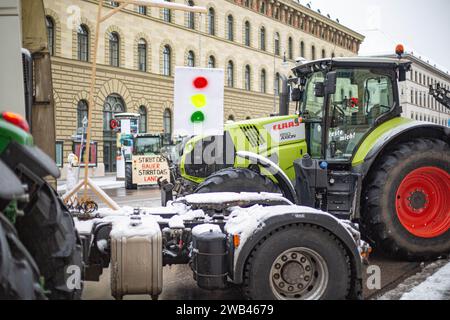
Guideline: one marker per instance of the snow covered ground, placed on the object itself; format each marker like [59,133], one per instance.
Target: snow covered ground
[108,182]
[432,283]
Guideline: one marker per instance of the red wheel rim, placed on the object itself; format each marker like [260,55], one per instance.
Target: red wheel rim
[423,202]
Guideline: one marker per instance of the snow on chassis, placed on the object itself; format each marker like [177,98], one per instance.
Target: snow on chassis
[261,242]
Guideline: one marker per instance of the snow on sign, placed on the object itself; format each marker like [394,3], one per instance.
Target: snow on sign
[148,169]
[198,100]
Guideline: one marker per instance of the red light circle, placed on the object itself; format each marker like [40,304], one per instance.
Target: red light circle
[200,82]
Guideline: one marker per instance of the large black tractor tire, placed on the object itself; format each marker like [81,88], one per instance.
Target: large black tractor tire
[129,177]
[19,275]
[237,180]
[406,201]
[47,230]
[298,262]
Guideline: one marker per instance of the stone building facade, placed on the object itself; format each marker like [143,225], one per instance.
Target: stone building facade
[255,42]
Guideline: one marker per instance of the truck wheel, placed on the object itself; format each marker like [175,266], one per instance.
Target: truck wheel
[19,275]
[237,180]
[129,177]
[298,262]
[406,203]
[48,232]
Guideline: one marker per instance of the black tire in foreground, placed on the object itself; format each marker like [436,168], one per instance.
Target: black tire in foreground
[47,230]
[19,275]
[237,180]
[298,262]
[129,177]
[406,202]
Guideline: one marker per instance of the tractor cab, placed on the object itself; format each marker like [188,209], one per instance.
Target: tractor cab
[342,100]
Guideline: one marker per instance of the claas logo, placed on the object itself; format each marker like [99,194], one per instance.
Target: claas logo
[198,101]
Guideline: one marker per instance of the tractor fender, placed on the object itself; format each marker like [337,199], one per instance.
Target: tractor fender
[290,215]
[403,133]
[283,181]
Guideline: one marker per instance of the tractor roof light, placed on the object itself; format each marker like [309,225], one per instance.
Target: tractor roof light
[399,50]
[16,119]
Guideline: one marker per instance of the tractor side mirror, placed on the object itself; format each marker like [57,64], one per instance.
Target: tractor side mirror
[296,94]
[401,74]
[330,83]
[319,89]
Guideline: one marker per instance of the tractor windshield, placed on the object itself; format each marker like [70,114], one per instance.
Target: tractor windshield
[148,145]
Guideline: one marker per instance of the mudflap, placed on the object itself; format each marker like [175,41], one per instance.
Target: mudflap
[166,189]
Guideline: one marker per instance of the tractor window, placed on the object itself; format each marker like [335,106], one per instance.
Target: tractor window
[313,106]
[312,111]
[361,98]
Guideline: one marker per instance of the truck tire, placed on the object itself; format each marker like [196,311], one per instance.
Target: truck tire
[129,177]
[47,230]
[19,275]
[406,203]
[237,180]
[298,262]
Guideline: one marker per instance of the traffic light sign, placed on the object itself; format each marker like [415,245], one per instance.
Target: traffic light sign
[198,101]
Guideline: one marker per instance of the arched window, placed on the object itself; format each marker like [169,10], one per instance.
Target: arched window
[230,27]
[167,63]
[248,3]
[290,49]
[191,16]
[230,74]
[83,42]
[167,14]
[313,53]
[263,81]
[262,39]
[82,112]
[230,117]
[302,49]
[142,119]
[167,123]
[211,21]
[114,45]
[248,84]
[277,84]
[50,34]
[113,104]
[276,44]
[142,55]
[247,34]
[191,59]
[323,54]
[211,62]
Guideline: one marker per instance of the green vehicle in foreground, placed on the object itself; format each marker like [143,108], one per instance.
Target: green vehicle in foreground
[346,151]
[40,249]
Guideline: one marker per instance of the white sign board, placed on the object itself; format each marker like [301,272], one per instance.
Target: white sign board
[199,94]
[148,169]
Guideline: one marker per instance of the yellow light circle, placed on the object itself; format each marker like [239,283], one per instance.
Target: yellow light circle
[198,100]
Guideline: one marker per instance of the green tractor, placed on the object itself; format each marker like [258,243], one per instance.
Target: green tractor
[37,232]
[346,151]
[142,144]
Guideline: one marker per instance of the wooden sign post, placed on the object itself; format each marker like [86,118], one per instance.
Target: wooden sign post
[86,183]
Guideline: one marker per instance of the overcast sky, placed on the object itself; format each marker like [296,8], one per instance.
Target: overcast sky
[422,26]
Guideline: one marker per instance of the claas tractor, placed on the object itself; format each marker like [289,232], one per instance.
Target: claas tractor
[346,150]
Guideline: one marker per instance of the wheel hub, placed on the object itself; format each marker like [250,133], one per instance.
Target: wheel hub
[418,200]
[299,274]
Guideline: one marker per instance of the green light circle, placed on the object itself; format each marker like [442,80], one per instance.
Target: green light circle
[197,117]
